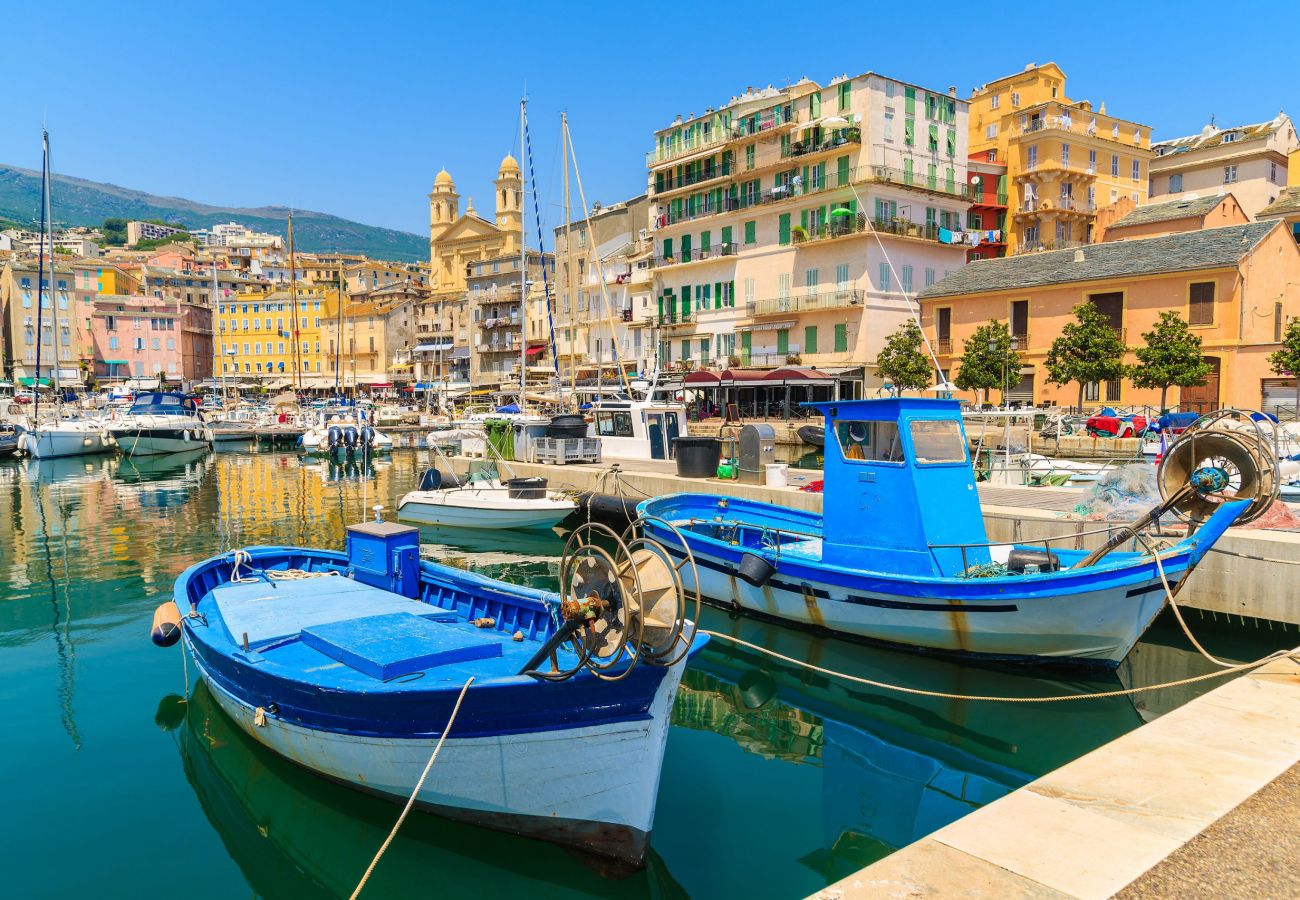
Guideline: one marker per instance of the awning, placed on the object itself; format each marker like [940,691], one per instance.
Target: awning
[460,353]
[766,326]
[798,376]
[701,379]
[533,351]
[28,382]
[116,362]
[744,376]
[432,347]
[480,393]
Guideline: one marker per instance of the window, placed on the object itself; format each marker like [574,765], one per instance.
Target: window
[1112,391]
[783,229]
[995,101]
[907,279]
[869,441]
[1020,321]
[889,124]
[991,131]
[1015,98]
[929,275]
[842,338]
[882,279]
[782,341]
[1229,137]
[1091,391]
[937,442]
[1092,162]
[614,424]
[1137,170]
[749,157]
[1175,184]
[842,277]
[1229,174]
[1111,305]
[1114,166]
[844,89]
[1065,154]
[1200,297]
[1031,157]
[810,339]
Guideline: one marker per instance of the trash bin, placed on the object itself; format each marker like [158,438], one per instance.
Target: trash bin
[526,488]
[567,426]
[697,457]
[777,474]
[501,436]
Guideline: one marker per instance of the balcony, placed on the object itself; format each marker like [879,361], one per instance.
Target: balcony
[766,121]
[1087,124]
[708,173]
[807,148]
[500,322]
[943,346]
[713,251]
[838,227]
[784,306]
[669,321]
[1068,206]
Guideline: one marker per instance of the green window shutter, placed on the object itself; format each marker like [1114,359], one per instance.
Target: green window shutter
[717,295]
[907,170]
[810,339]
[783,229]
[952,142]
[842,338]
[783,340]
[803,219]
[668,248]
[731,293]
[853,205]
[931,181]
[806,185]
[686,245]
[706,241]
[659,182]
[909,101]
[841,171]
[949,180]
[815,104]
[750,232]
[661,307]
[934,136]
[845,88]
[686,348]
[747,341]
[726,236]
[909,131]
[785,145]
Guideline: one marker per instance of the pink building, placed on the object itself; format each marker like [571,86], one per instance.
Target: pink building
[138,337]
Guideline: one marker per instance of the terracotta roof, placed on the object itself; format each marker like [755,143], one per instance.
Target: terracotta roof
[1184,208]
[1287,204]
[1210,248]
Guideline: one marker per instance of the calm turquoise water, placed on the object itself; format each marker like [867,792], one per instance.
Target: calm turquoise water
[775,781]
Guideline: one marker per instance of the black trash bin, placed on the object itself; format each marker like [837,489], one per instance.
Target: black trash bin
[526,488]
[697,457]
[567,426]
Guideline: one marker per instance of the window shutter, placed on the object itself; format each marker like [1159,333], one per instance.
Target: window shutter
[810,339]
[1201,305]
[731,293]
[750,232]
[909,101]
[668,248]
[907,170]
[717,295]
[909,129]
[782,341]
[706,240]
[842,171]
[783,229]
[803,219]
[842,337]
[815,104]
[726,237]
[747,341]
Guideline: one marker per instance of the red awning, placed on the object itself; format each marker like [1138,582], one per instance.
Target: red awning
[533,351]
[700,378]
[737,376]
[795,376]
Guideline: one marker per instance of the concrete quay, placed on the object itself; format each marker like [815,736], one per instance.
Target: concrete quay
[1202,802]
[1247,575]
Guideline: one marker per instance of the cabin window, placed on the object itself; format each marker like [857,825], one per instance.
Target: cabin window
[937,442]
[614,424]
[869,441]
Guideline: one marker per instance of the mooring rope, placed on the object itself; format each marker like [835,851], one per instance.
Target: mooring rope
[419,784]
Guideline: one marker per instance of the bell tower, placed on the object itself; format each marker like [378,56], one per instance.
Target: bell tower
[444,205]
[510,196]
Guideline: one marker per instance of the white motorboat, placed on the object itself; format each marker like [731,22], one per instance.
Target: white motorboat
[65,437]
[344,432]
[518,503]
[161,422]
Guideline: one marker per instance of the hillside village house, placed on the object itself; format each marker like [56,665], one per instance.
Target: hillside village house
[1237,286]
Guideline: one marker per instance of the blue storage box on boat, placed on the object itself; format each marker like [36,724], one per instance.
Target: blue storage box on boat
[385,555]
[397,644]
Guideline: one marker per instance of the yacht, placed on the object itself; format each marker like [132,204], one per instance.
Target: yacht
[65,436]
[161,422]
[344,431]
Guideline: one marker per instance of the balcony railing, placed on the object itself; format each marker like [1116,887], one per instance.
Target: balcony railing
[1084,125]
[770,119]
[674,320]
[805,148]
[695,254]
[780,306]
[707,173]
[500,322]
[837,227]
[943,345]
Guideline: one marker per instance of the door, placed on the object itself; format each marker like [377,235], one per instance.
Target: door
[1278,397]
[655,432]
[1205,398]
[672,432]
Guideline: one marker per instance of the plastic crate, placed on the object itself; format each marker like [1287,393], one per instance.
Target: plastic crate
[562,451]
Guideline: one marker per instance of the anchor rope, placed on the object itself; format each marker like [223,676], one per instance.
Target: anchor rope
[419,784]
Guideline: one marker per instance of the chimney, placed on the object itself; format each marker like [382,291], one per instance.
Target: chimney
[952,90]
[1079,255]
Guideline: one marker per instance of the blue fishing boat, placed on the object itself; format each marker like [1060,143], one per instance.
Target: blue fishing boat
[900,554]
[351,664]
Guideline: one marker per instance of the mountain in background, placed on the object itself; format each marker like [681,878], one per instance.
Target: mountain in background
[80,202]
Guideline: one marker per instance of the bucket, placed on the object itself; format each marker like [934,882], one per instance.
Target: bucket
[697,457]
[755,570]
[567,426]
[777,474]
[526,488]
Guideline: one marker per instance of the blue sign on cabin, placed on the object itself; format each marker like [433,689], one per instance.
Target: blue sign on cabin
[898,482]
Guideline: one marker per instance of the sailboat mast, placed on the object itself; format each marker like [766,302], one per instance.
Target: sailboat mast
[523,255]
[293,304]
[40,271]
[568,260]
[48,240]
[338,348]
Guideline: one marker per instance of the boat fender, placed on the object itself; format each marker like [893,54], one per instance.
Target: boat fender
[484,622]
[185,435]
[517,637]
[166,629]
[755,569]
[335,436]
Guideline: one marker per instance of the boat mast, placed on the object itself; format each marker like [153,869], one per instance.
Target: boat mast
[293,303]
[338,348]
[568,262]
[523,254]
[48,239]
[40,273]
[221,347]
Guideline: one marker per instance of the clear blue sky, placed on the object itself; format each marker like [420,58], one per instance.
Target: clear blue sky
[351,108]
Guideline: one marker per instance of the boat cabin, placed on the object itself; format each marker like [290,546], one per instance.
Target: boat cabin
[899,483]
[637,429]
[164,403]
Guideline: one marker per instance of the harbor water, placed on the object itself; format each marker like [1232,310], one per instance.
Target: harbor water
[776,781]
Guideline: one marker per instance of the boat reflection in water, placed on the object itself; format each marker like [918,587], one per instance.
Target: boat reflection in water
[295,835]
[161,481]
[893,767]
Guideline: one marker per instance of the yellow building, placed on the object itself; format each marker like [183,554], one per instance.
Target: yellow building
[263,338]
[1064,159]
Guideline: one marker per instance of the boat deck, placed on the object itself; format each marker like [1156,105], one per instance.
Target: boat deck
[345,635]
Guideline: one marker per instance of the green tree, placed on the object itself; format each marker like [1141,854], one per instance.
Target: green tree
[1170,357]
[903,362]
[988,361]
[1088,350]
[1286,361]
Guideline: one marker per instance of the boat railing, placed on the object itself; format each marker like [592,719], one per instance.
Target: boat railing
[1110,530]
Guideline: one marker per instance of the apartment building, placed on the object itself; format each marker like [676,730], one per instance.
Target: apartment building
[796,225]
[369,346]
[61,321]
[497,318]
[1064,159]
[274,337]
[1250,161]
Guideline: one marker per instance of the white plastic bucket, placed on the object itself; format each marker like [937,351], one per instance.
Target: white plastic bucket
[777,474]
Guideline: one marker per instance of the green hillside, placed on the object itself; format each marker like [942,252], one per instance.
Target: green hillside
[81,202]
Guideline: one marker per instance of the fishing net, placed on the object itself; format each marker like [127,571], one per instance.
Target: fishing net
[985,570]
[1279,515]
[1122,494]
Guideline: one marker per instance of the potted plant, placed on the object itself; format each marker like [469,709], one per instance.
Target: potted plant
[793,359]
[798,234]
[733,361]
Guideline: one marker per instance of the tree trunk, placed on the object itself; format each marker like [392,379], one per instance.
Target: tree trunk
[1297,397]
[1080,408]
[1164,390]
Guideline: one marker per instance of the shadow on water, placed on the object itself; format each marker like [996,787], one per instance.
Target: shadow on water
[294,835]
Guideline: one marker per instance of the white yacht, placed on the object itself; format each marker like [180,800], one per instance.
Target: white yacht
[343,431]
[63,436]
[161,422]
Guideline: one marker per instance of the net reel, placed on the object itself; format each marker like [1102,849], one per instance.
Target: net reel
[623,601]
[1224,456]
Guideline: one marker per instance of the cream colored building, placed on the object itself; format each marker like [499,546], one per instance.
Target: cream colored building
[796,225]
[1250,161]
[370,348]
[456,241]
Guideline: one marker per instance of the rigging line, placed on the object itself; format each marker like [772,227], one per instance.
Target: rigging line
[912,306]
[541,249]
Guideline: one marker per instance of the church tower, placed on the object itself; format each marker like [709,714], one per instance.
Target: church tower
[444,205]
[510,196]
